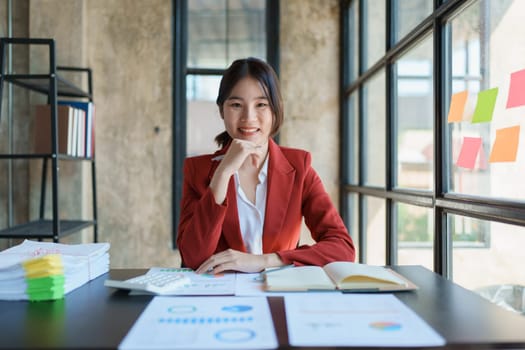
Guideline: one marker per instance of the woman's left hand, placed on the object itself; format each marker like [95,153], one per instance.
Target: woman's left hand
[234,260]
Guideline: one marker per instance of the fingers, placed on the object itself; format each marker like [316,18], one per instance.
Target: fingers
[232,260]
[214,264]
[220,262]
[243,149]
[206,267]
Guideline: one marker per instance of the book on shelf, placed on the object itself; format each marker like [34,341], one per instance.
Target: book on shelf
[42,127]
[340,275]
[88,133]
[75,128]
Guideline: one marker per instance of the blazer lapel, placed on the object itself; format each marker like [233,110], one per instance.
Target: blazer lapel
[281,175]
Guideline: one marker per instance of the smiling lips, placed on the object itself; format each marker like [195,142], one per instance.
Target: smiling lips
[248,131]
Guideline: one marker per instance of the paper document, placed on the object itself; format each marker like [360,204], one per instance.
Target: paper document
[318,319]
[203,323]
[48,271]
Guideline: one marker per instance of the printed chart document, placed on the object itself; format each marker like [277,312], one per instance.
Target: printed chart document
[316,319]
[203,323]
[340,275]
[201,284]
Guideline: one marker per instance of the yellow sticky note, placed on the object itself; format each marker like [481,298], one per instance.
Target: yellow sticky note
[457,106]
[46,265]
[505,148]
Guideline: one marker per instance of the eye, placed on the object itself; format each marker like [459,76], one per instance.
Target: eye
[235,105]
[262,104]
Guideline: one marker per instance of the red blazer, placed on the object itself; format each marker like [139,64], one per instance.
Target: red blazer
[294,191]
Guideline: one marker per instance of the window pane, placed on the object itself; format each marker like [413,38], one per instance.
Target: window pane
[374,130]
[410,13]
[375,230]
[220,31]
[353,140]
[414,111]
[353,45]
[201,92]
[486,121]
[494,258]
[415,235]
[374,31]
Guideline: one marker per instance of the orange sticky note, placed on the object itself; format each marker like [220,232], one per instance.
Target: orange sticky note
[469,152]
[516,89]
[457,106]
[505,148]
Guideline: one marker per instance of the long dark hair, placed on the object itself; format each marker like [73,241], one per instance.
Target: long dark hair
[265,75]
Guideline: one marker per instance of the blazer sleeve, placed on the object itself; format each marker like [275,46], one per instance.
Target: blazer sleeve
[201,219]
[333,242]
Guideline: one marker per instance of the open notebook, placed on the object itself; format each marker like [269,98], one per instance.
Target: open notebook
[340,275]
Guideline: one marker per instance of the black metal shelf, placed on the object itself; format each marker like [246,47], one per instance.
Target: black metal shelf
[39,155]
[41,83]
[43,228]
[53,85]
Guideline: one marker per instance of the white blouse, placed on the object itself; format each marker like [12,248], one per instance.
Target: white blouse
[251,217]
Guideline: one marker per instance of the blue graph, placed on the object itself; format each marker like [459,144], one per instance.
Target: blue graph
[205,320]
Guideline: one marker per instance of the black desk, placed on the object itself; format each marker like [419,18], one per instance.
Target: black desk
[96,317]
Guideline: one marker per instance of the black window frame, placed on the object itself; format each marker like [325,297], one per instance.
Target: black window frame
[440,199]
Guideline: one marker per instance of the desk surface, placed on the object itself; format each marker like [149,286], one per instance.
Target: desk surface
[97,317]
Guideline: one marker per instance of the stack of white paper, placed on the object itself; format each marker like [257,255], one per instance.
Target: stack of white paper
[47,271]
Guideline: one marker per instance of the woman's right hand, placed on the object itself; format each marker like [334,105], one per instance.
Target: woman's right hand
[237,153]
[234,158]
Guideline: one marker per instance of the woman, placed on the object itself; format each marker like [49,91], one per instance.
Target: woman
[242,207]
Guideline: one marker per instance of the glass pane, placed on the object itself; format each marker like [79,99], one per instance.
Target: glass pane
[374,130]
[375,230]
[486,107]
[415,235]
[486,255]
[410,13]
[353,224]
[414,111]
[201,93]
[353,45]
[353,141]
[374,31]
[220,31]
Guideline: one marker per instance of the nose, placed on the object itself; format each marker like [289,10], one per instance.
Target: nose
[249,113]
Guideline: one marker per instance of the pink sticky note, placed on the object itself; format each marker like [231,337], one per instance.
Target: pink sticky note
[516,89]
[469,152]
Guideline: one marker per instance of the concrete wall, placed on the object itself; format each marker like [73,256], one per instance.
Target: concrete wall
[127,44]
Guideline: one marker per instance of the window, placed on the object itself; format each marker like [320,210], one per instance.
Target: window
[432,119]
[209,36]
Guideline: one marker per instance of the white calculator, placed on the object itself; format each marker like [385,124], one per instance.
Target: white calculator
[154,282]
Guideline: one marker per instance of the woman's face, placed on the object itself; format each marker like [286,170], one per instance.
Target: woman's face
[247,113]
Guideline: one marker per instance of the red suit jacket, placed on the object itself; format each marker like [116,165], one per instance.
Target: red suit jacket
[294,191]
